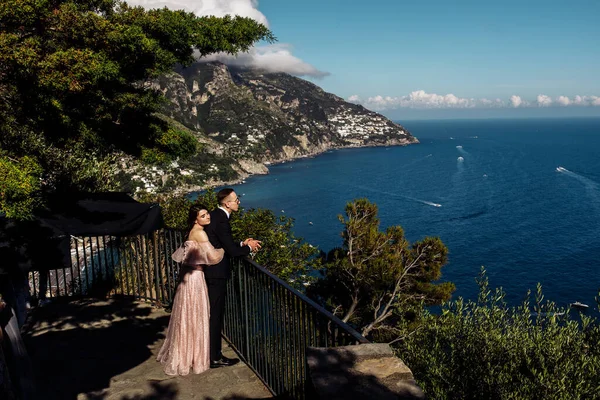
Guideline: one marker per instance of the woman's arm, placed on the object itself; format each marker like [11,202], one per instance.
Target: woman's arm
[213,256]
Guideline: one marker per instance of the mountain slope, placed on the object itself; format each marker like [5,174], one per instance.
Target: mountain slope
[248,118]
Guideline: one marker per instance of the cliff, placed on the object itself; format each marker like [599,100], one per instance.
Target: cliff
[247,119]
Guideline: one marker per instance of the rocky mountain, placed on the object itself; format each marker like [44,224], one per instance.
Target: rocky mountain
[247,119]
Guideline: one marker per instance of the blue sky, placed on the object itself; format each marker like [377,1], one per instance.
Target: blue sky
[433,57]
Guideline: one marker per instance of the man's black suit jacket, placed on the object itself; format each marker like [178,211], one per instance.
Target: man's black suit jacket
[219,235]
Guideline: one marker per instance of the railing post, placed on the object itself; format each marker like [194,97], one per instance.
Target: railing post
[245,304]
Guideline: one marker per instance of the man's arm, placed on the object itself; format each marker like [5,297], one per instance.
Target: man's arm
[223,232]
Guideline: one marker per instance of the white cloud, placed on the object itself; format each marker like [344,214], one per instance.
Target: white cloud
[420,99]
[543,100]
[272,58]
[563,100]
[515,101]
[354,99]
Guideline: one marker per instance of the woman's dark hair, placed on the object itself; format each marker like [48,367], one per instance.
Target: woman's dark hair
[193,214]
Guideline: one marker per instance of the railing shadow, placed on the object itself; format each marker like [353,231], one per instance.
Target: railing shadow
[79,352]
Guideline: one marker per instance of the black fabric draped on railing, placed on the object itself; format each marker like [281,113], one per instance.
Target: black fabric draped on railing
[269,323]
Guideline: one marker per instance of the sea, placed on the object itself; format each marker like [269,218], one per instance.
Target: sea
[519,197]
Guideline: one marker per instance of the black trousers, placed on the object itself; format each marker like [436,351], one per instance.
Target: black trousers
[217,293]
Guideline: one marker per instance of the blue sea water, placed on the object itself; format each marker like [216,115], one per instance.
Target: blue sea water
[504,203]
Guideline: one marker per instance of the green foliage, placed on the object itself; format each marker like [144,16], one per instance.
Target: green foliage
[169,145]
[282,253]
[376,277]
[486,350]
[177,141]
[72,73]
[19,186]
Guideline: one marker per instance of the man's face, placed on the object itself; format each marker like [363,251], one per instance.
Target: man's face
[232,202]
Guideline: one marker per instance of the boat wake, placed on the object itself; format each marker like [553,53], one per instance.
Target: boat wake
[429,203]
[461,150]
[591,184]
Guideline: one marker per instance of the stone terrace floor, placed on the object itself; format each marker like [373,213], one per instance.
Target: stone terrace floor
[106,350]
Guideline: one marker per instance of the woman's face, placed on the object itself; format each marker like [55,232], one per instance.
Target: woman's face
[203,218]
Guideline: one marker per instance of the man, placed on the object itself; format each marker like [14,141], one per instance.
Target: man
[219,235]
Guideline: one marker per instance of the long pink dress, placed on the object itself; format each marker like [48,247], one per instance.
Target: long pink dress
[187,343]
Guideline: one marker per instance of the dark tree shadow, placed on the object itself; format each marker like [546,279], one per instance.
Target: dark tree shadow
[79,353]
[333,377]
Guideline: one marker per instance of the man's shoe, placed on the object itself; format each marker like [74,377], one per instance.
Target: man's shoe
[224,362]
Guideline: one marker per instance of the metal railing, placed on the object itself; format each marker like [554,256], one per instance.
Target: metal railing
[138,266]
[268,322]
[271,324]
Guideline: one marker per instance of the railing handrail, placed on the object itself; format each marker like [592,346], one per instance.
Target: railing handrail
[350,330]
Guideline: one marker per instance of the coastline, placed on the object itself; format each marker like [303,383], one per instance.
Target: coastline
[262,168]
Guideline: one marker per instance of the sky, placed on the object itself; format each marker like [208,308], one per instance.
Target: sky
[431,58]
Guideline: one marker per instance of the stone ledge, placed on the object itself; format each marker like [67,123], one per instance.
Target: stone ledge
[361,371]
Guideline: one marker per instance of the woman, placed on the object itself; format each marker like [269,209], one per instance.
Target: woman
[187,343]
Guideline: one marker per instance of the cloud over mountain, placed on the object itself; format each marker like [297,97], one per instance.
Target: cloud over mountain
[272,58]
[276,57]
[422,100]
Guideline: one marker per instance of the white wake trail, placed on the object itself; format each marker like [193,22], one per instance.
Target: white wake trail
[591,184]
[429,203]
[461,150]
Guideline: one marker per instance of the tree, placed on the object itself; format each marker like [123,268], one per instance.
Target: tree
[282,253]
[376,277]
[73,92]
[485,349]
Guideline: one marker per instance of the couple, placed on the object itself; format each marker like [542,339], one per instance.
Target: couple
[194,335]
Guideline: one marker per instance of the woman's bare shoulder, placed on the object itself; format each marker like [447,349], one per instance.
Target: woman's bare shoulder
[198,235]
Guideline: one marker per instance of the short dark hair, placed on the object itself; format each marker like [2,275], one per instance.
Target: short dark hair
[193,214]
[222,194]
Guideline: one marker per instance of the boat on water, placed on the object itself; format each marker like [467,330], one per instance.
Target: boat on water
[579,305]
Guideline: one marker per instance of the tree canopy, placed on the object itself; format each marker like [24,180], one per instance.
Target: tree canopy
[74,92]
[376,277]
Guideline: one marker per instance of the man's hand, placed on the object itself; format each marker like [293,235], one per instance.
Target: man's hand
[253,244]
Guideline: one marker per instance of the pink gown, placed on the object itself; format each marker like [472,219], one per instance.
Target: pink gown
[187,343]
